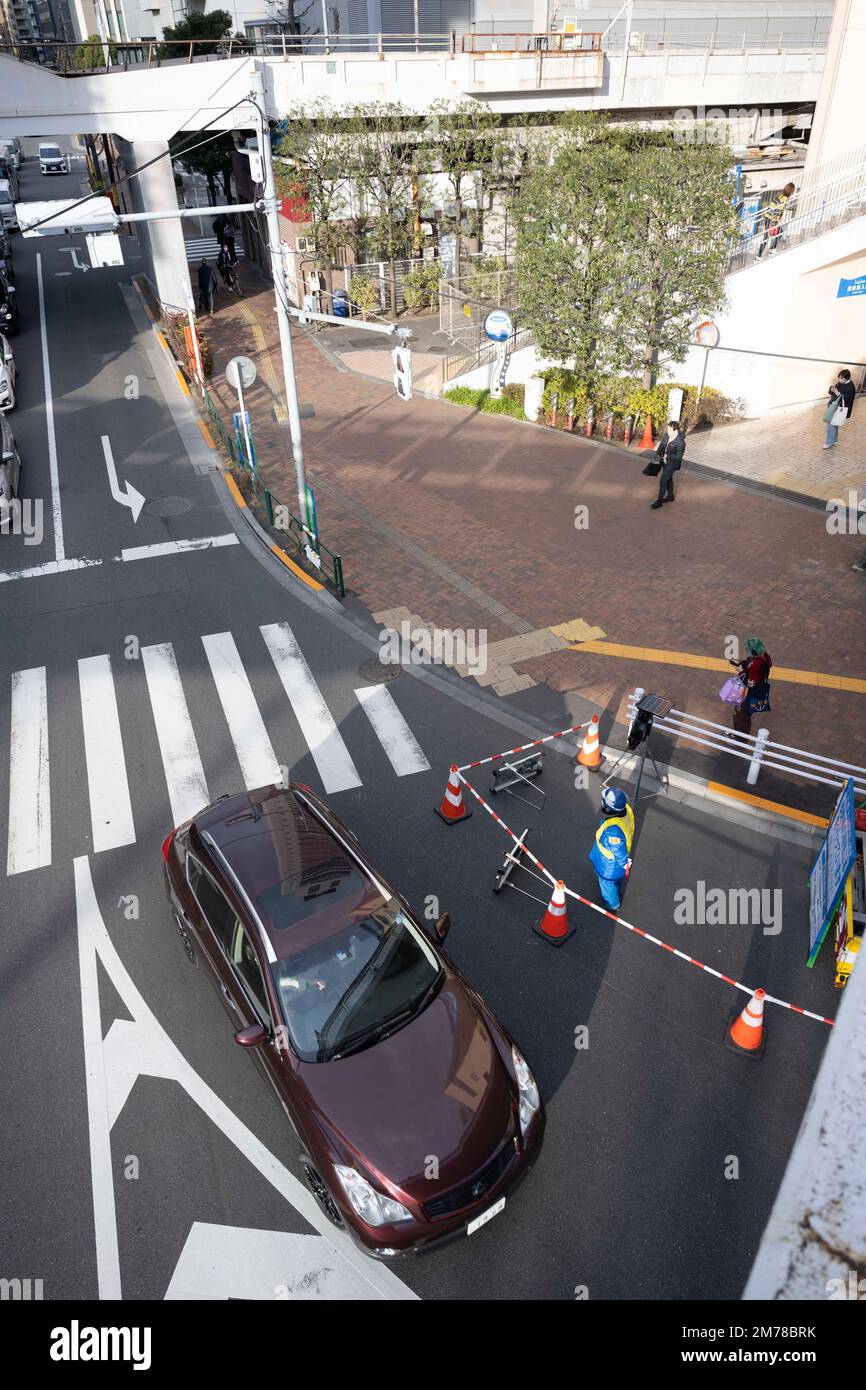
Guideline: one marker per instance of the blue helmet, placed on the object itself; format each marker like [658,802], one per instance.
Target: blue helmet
[613,801]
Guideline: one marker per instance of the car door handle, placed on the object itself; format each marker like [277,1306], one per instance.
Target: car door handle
[231,1003]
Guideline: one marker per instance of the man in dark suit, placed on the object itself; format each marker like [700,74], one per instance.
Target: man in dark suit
[670,450]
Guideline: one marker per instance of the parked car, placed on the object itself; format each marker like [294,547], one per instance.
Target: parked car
[8,305]
[416,1114]
[8,215]
[8,375]
[10,474]
[52,160]
[9,171]
[5,252]
[11,150]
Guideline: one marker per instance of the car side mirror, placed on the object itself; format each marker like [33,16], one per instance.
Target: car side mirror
[253,1036]
[443,926]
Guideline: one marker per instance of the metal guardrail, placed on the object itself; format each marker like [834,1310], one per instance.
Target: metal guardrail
[458,363]
[796,230]
[758,750]
[717,35]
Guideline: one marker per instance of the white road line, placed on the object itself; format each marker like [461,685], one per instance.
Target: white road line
[59,552]
[402,747]
[29,845]
[336,769]
[246,726]
[146,552]
[159,1056]
[184,774]
[110,809]
[50,567]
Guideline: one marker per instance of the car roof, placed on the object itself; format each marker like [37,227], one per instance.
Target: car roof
[305,882]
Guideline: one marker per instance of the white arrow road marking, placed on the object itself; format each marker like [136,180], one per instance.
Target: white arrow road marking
[73,252]
[236,1262]
[140,1046]
[131,498]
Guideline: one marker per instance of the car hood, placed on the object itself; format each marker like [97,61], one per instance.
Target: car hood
[436,1090]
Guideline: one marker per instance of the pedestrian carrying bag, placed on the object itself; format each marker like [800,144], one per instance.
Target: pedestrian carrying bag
[831,410]
[733,691]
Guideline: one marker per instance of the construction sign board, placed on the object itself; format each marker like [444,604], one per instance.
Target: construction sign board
[830,873]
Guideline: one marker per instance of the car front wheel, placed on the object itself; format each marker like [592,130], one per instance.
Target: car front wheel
[320,1191]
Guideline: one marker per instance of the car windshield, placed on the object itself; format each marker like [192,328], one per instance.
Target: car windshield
[346,992]
[50,151]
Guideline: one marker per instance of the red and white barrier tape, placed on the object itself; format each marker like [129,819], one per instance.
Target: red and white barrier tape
[647,936]
[509,752]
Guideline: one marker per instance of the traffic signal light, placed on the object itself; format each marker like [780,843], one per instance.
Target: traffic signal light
[402,359]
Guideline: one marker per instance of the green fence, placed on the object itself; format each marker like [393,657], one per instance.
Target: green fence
[215,419]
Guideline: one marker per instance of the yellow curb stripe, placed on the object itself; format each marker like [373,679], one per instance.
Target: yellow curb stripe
[182,379]
[161,339]
[208,437]
[296,569]
[234,489]
[661,657]
[776,806]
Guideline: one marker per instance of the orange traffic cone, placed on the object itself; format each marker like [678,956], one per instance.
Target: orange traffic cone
[553,926]
[746,1030]
[452,809]
[590,752]
[647,436]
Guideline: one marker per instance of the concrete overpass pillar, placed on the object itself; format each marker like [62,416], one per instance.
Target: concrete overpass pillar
[162,243]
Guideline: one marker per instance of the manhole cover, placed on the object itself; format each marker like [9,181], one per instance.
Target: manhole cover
[377,672]
[168,506]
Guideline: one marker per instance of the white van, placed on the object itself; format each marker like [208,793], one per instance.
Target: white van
[8,215]
[52,160]
[11,150]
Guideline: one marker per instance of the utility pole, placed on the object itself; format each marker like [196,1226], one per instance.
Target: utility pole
[280,290]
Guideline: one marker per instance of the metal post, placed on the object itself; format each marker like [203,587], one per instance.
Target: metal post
[758,756]
[325,30]
[707,352]
[190,311]
[280,290]
[415,18]
[245,424]
[625,49]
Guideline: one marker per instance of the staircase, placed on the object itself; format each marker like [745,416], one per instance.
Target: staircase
[835,193]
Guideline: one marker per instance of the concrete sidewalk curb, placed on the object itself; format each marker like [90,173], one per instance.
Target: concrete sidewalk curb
[296,571]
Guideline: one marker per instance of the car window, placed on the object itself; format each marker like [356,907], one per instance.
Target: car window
[343,992]
[213,903]
[243,957]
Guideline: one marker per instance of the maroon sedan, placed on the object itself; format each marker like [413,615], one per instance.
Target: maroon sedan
[416,1113]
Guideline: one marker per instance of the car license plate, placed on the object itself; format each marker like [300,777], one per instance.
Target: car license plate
[485,1217]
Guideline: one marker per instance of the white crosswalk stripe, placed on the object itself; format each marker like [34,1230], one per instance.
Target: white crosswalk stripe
[402,747]
[184,774]
[324,740]
[110,809]
[29,843]
[111,792]
[246,726]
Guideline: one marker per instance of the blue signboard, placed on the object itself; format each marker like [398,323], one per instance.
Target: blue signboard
[832,867]
[849,289]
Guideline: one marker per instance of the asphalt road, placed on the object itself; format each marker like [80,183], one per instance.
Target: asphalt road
[133,1124]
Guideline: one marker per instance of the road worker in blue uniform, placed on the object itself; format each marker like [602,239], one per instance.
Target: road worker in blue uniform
[609,855]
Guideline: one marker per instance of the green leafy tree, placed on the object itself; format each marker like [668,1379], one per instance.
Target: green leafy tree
[365,294]
[213,159]
[216,24]
[91,53]
[462,141]
[571,229]
[315,160]
[680,218]
[385,174]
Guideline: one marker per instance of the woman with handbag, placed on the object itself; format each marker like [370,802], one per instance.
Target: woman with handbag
[754,671]
[838,412]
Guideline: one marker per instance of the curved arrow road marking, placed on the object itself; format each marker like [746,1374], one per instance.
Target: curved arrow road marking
[140,1046]
[131,498]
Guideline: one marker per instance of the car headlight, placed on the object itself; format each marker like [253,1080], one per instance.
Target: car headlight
[529,1097]
[372,1206]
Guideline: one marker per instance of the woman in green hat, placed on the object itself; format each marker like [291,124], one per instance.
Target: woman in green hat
[754,669]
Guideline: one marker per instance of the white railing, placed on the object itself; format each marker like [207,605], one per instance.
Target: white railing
[819,207]
[758,750]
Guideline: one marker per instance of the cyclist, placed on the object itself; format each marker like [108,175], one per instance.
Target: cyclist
[227,261]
